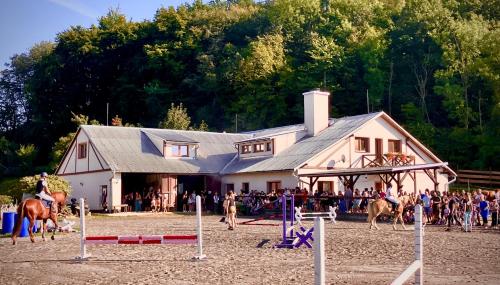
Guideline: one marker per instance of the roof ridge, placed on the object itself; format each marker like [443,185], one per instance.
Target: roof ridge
[145,129]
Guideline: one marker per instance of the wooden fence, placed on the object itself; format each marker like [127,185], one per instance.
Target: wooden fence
[476,177]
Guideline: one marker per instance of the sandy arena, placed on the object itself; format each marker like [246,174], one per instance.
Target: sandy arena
[355,255]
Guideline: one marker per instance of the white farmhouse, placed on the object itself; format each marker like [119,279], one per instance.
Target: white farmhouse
[371,150]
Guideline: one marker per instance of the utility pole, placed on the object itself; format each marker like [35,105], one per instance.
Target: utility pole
[367,102]
[480,114]
[236,123]
[107,114]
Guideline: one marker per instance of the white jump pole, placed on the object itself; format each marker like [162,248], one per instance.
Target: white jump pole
[319,251]
[83,246]
[200,255]
[419,245]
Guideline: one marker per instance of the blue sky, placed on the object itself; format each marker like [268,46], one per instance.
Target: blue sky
[26,22]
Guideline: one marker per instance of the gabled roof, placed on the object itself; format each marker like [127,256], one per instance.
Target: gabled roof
[303,150]
[128,149]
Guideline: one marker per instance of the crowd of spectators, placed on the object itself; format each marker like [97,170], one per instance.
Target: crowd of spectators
[463,209]
[458,208]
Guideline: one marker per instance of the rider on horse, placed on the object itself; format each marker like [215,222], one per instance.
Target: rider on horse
[389,197]
[42,190]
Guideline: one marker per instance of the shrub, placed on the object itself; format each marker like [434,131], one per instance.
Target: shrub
[27,184]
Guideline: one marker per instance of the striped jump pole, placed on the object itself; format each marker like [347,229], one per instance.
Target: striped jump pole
[142,239]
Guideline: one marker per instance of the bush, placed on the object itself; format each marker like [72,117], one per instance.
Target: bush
[16,187]
[6,200]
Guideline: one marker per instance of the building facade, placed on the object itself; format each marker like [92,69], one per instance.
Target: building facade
[103,164]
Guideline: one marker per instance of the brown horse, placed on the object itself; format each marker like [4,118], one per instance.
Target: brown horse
[34,210]
[381,206]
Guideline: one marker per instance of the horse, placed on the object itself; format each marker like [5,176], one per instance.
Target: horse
[34,210]
[381,206]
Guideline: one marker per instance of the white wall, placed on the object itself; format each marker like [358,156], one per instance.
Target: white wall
[378,128]
[88,186]
[258,181]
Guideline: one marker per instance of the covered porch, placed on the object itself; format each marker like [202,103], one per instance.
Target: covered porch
[387,174]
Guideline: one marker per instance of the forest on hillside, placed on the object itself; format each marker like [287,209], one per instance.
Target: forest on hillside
[433,65]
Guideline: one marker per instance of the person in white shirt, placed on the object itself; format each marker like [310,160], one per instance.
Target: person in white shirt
[390,197]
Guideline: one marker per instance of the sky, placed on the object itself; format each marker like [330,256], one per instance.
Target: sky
[24,23]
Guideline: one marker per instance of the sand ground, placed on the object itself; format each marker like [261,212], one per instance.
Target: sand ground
[355,255]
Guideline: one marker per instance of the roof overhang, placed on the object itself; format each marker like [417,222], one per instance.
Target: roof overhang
[372,170]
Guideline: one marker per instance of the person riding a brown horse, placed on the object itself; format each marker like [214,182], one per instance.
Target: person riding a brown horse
[34,210]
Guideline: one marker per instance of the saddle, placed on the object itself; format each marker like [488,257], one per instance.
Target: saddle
[393,205]
[46,204]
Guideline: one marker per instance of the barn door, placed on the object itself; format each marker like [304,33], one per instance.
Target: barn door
[169,191]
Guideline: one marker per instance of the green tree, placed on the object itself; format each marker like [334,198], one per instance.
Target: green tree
[177,118]
[26,155]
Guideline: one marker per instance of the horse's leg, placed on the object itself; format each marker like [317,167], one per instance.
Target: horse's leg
[30,228]
[402,221]
[44,229]
[56,226]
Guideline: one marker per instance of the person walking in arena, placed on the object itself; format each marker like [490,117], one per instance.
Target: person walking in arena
[231,210]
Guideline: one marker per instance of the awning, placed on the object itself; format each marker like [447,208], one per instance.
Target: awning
[372,170]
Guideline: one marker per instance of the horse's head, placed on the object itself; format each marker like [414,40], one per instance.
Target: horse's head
[405,199]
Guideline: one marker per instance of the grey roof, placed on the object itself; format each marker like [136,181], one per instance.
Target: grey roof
[303,150]
[274,131]
[128,149]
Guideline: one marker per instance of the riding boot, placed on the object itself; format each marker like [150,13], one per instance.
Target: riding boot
[53,206]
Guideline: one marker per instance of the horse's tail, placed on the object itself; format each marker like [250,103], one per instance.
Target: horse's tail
[20,218]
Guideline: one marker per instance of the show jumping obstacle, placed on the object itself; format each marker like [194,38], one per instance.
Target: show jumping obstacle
[299,216]
[416,267]
[297,234]
[141,239]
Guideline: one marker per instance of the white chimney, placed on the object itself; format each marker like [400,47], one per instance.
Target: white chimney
[316,111]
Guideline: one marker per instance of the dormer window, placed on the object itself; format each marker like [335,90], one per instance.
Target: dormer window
[180,150]
[258,147]
[246,148]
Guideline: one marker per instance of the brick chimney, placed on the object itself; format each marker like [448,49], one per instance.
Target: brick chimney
[316,106]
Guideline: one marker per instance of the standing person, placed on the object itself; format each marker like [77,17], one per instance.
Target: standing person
[191,201]
[348,199]
[209,201]
[453,214]
[231,210]
[185,200]
[494,213]
[467,212]
[138,201]
[216,199]
[225,207]
[426,201]
[485,210]
[435,205]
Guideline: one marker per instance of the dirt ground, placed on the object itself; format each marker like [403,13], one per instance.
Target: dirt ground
[355,255]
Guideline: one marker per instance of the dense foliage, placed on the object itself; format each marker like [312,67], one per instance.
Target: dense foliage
[431,64]
[15,188]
